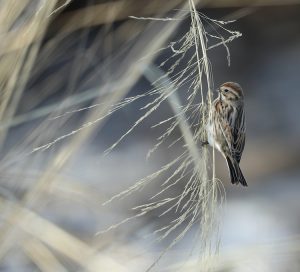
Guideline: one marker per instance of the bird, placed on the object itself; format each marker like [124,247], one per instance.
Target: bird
[226,128]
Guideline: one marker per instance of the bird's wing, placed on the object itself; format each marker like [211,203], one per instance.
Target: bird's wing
[238,132]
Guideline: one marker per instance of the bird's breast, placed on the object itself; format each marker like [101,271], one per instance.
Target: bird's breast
[211,135]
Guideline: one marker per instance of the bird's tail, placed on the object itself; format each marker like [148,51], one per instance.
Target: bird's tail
[235,171]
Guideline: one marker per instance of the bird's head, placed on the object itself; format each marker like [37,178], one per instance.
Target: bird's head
[231,92]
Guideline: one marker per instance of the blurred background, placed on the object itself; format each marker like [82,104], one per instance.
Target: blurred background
[61,56]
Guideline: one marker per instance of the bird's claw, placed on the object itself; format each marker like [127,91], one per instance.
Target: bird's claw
[204,143]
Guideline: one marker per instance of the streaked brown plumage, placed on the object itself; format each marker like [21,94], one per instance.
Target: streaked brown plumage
[226,128]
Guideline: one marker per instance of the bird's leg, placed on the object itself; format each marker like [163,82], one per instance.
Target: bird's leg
[204,143]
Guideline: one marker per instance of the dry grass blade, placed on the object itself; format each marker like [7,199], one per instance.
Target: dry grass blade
[15,67]
[199,200]
[56,238]
[60,158]
[42,256]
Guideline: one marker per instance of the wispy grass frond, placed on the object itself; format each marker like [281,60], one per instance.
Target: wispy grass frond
[183,82]
[202,192]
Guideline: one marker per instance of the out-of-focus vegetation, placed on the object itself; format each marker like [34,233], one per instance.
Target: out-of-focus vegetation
[58,57]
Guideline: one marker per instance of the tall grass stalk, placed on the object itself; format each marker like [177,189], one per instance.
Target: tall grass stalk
[39,238]
[198,201]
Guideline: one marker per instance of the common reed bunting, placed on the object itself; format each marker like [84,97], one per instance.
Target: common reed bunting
[226,128]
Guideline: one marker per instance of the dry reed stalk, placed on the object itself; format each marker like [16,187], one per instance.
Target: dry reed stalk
[197,202]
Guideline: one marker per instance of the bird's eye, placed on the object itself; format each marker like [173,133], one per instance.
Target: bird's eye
[226,90]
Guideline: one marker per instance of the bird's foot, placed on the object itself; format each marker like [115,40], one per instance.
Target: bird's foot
[204,143]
